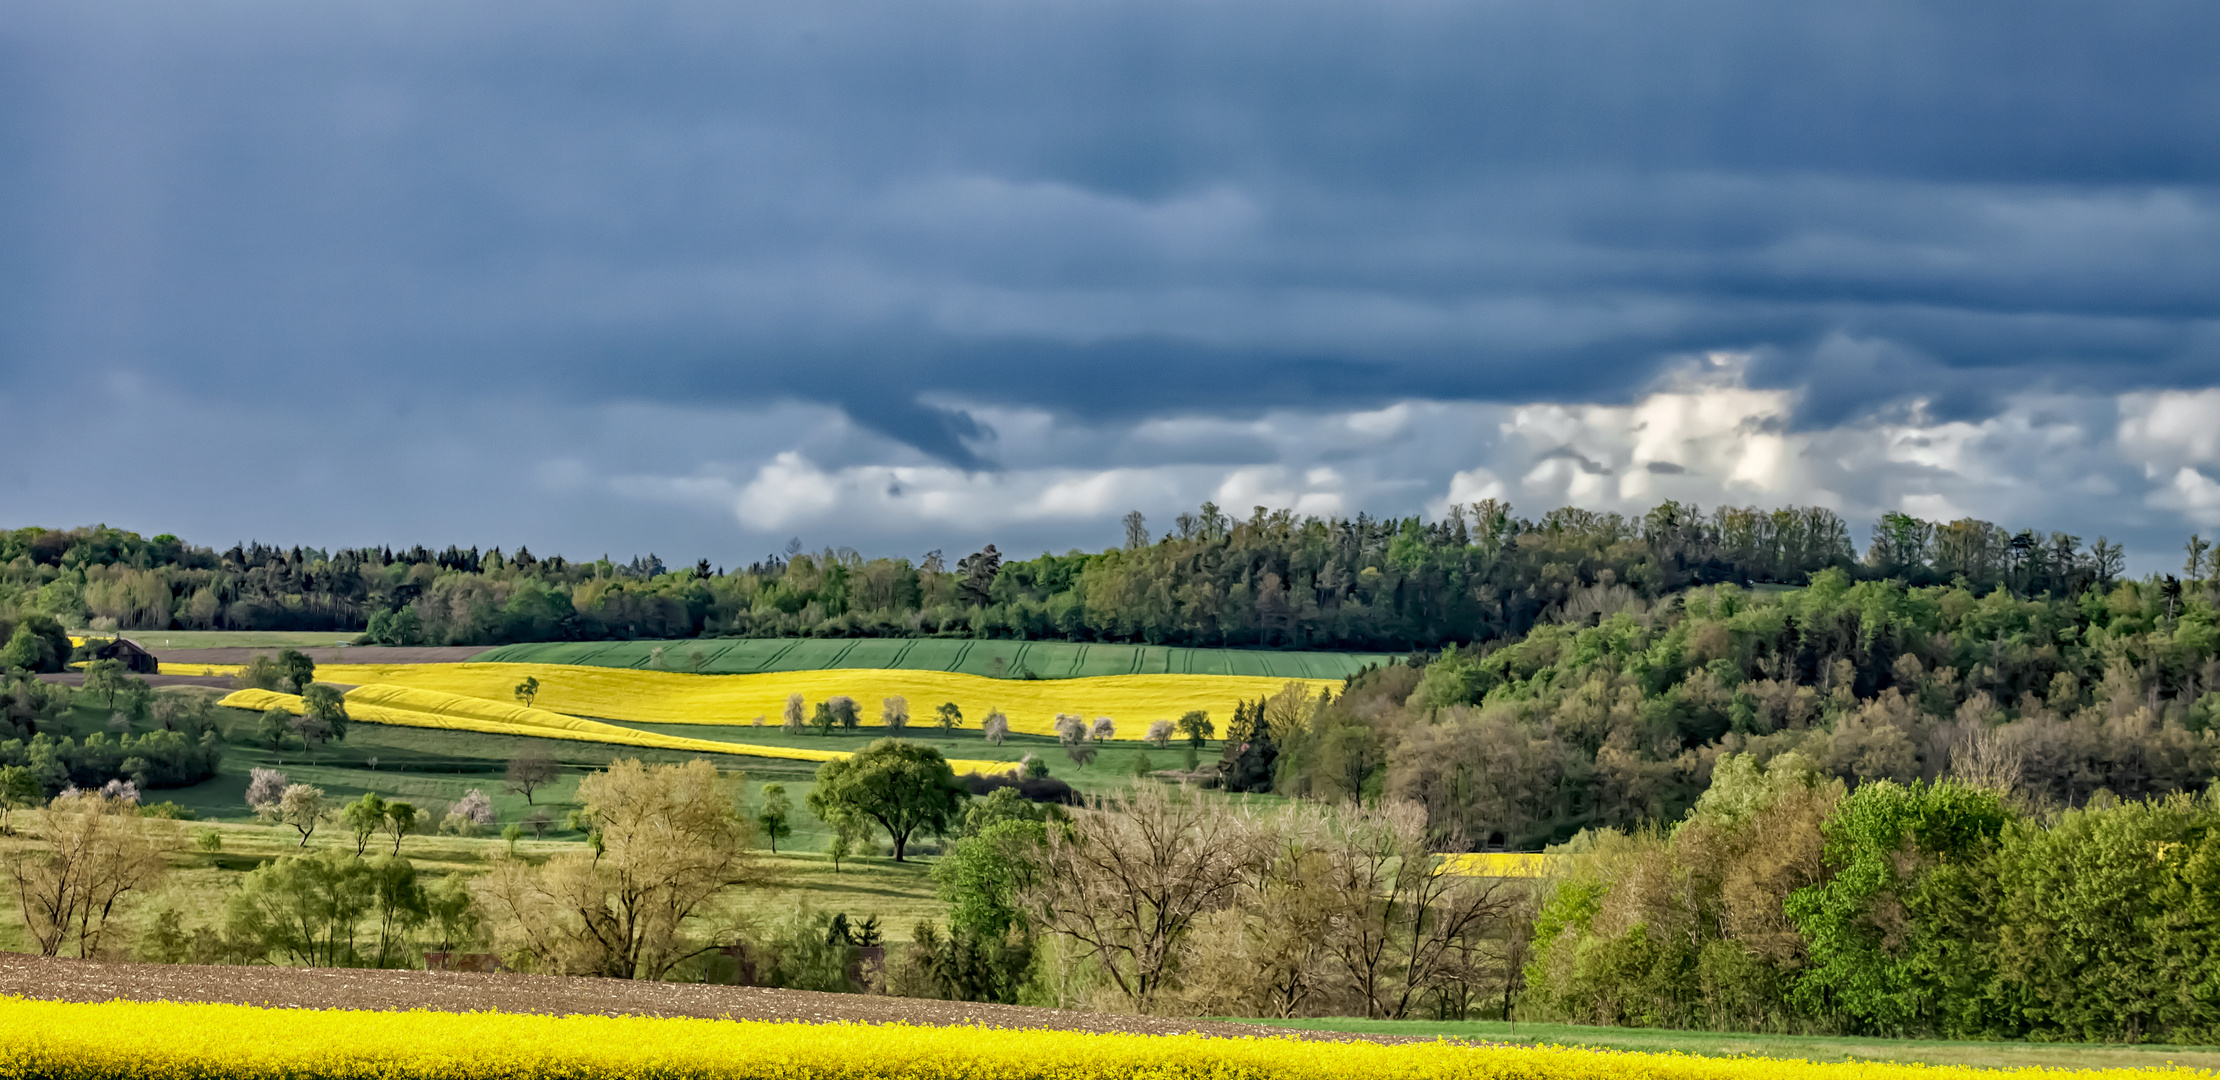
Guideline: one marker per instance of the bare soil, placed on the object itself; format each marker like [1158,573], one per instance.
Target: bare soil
[352,654]
[441,991]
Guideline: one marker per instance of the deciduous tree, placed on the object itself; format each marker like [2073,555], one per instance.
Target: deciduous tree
[666,840]
[905,787]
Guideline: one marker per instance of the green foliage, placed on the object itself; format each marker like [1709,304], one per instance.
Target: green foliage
[27,704]
[334,909]
[1196,726]
[2109,929]
[296,672]
[156,759]
[807,955]
[324,716]
[364,818]
[1895,939]
[36,643]
[772,819]
[904,787]
[275,726]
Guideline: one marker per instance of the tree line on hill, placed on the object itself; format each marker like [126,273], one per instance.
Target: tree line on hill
[1619,722]
[1273,580]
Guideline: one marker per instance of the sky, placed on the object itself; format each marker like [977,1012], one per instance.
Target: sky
[698,278]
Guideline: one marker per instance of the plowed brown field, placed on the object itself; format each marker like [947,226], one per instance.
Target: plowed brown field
[349,988]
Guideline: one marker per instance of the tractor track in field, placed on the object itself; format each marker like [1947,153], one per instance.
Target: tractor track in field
[50,979]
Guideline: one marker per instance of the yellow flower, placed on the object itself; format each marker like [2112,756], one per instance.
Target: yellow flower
[174,1041]
[401,706]
[666,697]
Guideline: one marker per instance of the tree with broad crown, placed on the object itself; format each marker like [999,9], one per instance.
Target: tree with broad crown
[905,787]
[298,669]
[528,691]
[951,717]
[1196,726]
[328,708]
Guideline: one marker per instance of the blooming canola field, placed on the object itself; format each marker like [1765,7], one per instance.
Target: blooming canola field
[164,1040]
[405,707]
[665,697]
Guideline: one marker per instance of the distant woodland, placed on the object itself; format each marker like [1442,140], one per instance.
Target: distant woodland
[1273,580]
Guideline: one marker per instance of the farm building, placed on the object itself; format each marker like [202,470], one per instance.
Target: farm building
[135,659]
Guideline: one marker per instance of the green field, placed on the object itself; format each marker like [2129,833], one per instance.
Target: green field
[1789,1047]
[226,639]
[432,767]
[991,658]
[429,765]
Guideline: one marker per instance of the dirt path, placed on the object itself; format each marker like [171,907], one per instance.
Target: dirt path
[348,988]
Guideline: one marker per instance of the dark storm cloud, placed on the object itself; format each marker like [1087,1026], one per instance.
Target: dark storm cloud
[1108,209]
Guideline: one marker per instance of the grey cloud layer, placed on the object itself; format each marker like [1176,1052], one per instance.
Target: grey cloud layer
[1162,227]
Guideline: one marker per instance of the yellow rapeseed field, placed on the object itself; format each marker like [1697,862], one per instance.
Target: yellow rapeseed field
[1498,864]
[665,697]
[121,1040]
[377,704]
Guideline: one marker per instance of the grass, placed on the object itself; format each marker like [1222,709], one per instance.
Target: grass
[432,767]
[989,658]
[1790,1047]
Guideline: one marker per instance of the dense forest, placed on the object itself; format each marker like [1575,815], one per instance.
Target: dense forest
[1619,720]
[1273,580]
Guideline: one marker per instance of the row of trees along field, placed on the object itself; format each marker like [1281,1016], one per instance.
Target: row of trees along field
[1273,580]
[1785,900]
[1156,898]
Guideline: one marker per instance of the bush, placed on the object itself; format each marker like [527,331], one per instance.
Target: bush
[157,759]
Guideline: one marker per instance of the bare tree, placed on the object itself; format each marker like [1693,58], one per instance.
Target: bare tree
[1987,758]
[86,855]
[1402,928]
[894,712]
[532,768]
[1266,953]
[796,714]
[996,727]
[1136,531]
[1160,734]
[1129,880]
